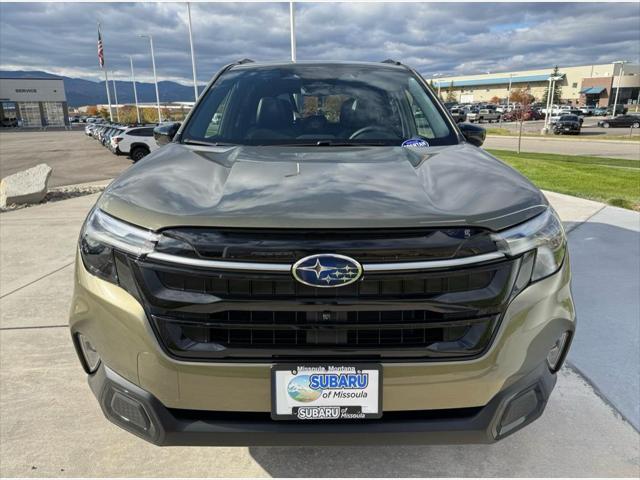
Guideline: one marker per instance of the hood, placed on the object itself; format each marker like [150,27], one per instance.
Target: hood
[321,187]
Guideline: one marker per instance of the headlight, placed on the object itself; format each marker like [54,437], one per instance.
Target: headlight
[102,235]
[543,234]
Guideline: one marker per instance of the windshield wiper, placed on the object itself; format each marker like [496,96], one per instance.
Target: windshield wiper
[190,141]
[330,143]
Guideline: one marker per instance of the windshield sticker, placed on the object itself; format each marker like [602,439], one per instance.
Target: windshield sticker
[415,143]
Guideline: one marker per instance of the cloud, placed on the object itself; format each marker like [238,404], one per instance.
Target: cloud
[446,38]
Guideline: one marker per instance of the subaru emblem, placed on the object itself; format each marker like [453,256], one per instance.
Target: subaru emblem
[327,270]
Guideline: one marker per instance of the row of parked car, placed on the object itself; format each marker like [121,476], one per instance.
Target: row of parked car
[488,112]
[136,141]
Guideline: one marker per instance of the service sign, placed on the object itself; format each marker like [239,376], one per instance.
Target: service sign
[326,392]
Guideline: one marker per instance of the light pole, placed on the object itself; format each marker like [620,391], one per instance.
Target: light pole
[193,58]
[155,77]
[615,103]
[436,75]
[115,94]
[509,93]
[135,92]
[550,95]
[292,27]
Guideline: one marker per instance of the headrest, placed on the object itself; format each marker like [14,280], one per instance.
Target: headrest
[272,113]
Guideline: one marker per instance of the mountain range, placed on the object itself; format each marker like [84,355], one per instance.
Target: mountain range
[86,92]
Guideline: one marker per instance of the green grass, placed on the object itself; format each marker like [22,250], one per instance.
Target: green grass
[614,181]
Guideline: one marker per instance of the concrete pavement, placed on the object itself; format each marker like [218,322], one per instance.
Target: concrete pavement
[605,256]
[593,148]
[50,424]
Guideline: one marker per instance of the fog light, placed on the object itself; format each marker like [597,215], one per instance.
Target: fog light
[520,411]
[129,410]
[90,354]
[557,353]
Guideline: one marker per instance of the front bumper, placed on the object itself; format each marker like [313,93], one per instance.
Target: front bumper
[145,416]
[218,403]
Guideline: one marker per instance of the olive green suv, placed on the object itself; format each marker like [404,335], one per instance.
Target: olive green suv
[318,254]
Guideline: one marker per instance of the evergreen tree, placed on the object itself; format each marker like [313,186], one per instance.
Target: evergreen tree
[557,91]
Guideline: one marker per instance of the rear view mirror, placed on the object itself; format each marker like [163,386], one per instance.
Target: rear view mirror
[474,134]
[164,133]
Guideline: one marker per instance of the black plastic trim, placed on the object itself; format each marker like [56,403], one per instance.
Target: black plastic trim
[205,428]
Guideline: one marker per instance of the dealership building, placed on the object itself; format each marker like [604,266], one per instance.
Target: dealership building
[581,85]
[33,102]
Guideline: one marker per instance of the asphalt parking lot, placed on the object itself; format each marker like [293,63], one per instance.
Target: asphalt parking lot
[74,157]
[50,424]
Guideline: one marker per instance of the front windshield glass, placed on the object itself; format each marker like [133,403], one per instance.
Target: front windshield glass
[318,104]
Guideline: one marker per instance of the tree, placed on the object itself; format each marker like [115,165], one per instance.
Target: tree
[557,91]
[92,110]
[104,113]
[521,96]
[524,98]
[451,95]
[495,100]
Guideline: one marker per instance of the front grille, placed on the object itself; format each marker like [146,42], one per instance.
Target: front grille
[204,314]
[404,332]
[227,286]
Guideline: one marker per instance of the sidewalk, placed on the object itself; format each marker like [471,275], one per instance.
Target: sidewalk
[627,150]
[50,424]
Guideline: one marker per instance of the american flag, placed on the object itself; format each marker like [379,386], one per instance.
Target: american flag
[100,50]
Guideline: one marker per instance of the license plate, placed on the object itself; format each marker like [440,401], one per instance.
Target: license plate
[326,392]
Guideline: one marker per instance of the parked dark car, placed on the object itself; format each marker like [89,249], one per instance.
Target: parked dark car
[620,110]
[567,124]
[527,115]
[458,114]
[621,121]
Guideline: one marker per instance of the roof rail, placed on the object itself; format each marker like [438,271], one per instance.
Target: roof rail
[244,60]
[390,60]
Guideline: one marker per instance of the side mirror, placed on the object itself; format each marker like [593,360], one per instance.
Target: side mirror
[164,133]
[474,134]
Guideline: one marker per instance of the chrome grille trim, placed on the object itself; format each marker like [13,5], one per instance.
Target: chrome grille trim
[284,267]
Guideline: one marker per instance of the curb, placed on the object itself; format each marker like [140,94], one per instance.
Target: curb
[552,139]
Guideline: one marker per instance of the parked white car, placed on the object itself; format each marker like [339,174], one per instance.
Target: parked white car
[137,142]
[587,109]
[484,114]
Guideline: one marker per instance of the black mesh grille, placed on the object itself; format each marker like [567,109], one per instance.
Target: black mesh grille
[227,332]
[228,287]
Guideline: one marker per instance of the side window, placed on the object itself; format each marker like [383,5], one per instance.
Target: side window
[216,120]
[419,117]
[145,132]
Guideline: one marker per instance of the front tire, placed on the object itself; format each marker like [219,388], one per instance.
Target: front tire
[636,125]
[138,154]
[605,125]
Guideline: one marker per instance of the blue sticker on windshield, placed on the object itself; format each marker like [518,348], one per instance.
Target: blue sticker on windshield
[415,143]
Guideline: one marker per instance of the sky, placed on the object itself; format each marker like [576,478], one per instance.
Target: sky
[434,38]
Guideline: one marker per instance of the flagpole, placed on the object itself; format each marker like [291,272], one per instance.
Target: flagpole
[115,92]
[106,77]
[193,58]
[292,27]
[135,92]
[155,77]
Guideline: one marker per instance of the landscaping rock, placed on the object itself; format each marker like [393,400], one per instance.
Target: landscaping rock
[28,186]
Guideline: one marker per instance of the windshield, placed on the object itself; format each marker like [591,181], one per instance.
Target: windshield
[318,105]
